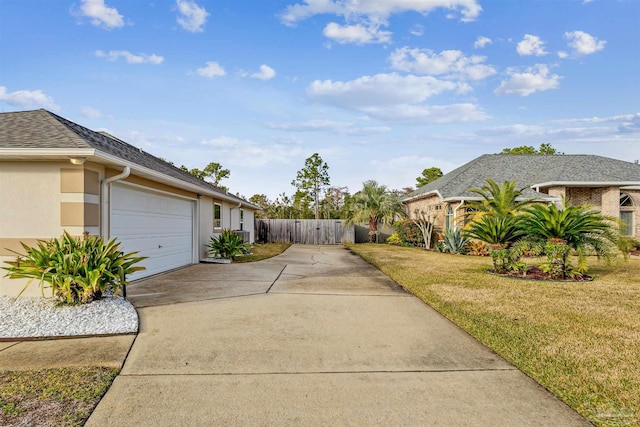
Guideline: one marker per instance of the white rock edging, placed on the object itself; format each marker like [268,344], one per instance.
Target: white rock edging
[32,317]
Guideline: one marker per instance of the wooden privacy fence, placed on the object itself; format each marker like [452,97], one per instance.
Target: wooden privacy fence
[305,231]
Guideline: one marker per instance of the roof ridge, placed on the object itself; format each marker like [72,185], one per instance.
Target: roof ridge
[65,131]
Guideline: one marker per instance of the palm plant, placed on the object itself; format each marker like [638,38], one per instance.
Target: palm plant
[495,220]
[570,228]
[375,204]
[499,200]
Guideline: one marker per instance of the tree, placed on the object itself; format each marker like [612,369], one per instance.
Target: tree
[213,173]
[264,203]
[311,180]
[569,228]
[495,220]
[428,175]
[544,150]
[334,202]
[374,204]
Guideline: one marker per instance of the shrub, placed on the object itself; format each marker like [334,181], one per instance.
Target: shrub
[395,240]
[477,248]
[78,269]
[454,242]
[228,245]
[409,233]
[628,244]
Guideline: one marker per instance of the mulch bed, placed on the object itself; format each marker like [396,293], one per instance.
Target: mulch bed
[536,273]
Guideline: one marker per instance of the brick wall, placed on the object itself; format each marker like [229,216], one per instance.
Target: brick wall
[430,205]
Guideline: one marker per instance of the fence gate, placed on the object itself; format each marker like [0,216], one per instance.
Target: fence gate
[305,231]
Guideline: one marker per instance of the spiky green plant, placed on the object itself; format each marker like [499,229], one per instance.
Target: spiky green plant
[228,245]
[454,242]
[570,228]
[77,269]
[497,199]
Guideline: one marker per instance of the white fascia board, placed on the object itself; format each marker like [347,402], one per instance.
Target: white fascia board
[166,179]
[43,153]
[631,187]
[585,184]
[422,196]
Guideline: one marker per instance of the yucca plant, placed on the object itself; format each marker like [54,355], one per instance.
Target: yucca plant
[77,269]
[566,229]
[228,245]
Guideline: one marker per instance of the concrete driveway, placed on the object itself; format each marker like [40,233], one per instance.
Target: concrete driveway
[315,336]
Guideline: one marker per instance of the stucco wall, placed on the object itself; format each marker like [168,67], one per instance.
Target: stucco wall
[35,205]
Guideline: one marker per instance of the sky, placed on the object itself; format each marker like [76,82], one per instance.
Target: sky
[381,89]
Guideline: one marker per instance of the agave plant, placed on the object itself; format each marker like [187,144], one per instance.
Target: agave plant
[78,269]
[566,229]
[454,242]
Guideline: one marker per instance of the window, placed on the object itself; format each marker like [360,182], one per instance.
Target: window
[626,214]
[241,219]
[448,219]
[217,215]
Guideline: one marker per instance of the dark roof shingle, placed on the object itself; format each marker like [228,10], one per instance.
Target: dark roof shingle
[530,170]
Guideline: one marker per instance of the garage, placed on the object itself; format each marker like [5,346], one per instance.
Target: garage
[156,225]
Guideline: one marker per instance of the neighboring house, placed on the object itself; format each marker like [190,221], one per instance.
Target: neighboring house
[609,185]
[56,175]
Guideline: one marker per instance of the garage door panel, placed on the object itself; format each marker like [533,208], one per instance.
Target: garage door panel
[157,226]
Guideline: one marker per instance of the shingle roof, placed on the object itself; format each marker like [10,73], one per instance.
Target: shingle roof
[41,129]
[530,170]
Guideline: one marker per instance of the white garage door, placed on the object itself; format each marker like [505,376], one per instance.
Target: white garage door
[155,225]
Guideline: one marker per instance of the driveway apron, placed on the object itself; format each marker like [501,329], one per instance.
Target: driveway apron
[315,336]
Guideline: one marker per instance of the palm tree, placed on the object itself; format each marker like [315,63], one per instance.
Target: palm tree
[568,228]
[494,219]
[500,200]
[374,204]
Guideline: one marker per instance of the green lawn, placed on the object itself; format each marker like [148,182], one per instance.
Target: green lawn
[579,340]
[263,251]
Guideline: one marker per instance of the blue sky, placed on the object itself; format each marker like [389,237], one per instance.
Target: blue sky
[380,88]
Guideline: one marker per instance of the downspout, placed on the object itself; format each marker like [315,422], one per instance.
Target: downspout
[455,212]
[104,193]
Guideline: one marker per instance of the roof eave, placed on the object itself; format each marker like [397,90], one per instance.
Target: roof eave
[585,184]
[45,153]
[421,196]
[166,179]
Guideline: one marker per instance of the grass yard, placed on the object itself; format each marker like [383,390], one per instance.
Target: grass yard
[579,340]
[52,397]
[263,251]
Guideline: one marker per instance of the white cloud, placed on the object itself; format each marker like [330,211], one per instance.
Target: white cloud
[336,127]
[90,112]
[392,97]
[191,17]
[378,90]
[374,10]
[141,58]
[250,154]
[512,130]
[481,42]
[562,54]
[265,73]
[28,99]
[365,18]
[101,15]
[417,30]
[583,43]
[448,63]
[428,114]
[533,79]
[358,34]
[211,70]
[531,45]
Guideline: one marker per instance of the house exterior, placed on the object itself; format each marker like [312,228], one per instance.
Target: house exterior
[56,175]
[609,185]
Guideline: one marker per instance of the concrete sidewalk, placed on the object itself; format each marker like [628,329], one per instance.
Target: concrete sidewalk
[315,336]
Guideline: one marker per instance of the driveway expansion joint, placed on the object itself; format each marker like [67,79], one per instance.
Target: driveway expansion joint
[278,277]
[400,371]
